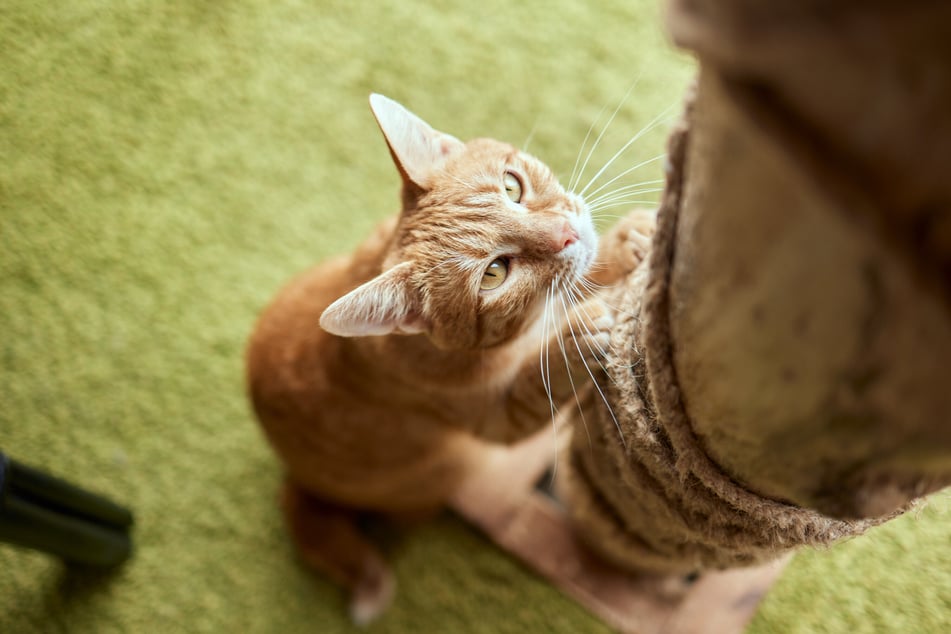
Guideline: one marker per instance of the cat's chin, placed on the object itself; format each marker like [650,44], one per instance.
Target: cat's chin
[577,259]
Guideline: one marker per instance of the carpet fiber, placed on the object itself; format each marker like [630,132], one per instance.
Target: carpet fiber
[166,166]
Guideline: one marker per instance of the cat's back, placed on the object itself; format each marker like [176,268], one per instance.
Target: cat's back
[289,353]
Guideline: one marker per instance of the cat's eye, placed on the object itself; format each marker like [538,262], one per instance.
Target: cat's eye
[513,187]
[494,275]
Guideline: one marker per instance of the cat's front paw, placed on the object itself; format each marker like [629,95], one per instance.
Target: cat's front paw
[638,245]
[624,247]
[640,225]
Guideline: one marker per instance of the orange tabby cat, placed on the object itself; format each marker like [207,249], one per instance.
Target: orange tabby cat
[420,345]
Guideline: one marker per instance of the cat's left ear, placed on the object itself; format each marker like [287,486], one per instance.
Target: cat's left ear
[418,150]
[384,305]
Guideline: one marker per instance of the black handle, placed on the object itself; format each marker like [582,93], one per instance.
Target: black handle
[45,513]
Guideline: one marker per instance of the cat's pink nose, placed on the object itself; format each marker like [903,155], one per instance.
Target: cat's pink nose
[567,236]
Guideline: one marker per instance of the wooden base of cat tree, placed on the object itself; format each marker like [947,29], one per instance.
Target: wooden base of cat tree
[503,500]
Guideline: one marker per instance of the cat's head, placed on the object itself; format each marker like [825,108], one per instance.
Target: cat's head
[486,235]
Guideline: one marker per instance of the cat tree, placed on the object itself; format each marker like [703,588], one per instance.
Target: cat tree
[778,365]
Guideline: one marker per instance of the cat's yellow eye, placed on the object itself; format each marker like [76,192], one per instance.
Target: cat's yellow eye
[494,275]
[513,187]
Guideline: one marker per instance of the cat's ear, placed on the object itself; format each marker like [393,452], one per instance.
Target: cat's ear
[386,304]
[418,150]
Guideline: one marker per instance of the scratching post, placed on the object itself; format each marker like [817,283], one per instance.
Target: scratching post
[777,373]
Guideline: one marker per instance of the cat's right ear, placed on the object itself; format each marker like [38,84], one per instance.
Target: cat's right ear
[384,305]
[417,149]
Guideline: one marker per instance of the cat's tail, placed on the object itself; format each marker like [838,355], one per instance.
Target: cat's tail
[328,540]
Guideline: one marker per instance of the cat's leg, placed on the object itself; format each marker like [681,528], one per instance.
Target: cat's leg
[328,540]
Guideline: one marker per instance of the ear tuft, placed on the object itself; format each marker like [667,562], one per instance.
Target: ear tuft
[384,305]
[417,149]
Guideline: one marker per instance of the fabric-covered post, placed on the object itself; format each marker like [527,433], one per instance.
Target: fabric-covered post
[777,370]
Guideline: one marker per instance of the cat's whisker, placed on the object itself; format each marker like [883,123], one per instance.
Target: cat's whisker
[650,126]
[571,380]
[546,380]
[595,288]
[541,349]
[594,199]
[616,309]
[598,267]
[597,204]
[663,117]
[617,425]
[629,170]
[553,323]
[609,217]
[581,289]
[607,198]
[584,321]
[603,130]
[631,204]
[580,310]
[578,306]
[545,369]
[574,170]
[625,191]
[588,285]
[620,195]
[620,203]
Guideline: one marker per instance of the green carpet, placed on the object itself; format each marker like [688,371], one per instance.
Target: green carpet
[166,165]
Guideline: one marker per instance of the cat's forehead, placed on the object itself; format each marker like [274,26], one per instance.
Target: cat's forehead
[489,158]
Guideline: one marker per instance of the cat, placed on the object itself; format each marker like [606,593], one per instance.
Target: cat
[428,344]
